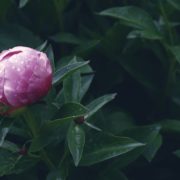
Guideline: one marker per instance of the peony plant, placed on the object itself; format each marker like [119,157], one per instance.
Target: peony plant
[53,129]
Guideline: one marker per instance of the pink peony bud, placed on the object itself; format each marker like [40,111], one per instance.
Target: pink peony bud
[25,76]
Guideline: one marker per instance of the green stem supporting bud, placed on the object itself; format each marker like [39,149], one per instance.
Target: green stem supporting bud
[33,126]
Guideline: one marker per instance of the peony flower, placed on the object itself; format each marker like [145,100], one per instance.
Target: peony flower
[25,76]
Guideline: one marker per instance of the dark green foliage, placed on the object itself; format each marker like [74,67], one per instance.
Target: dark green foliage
[113,112]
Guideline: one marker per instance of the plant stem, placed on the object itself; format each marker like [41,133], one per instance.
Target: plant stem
[33,126]
[30,121]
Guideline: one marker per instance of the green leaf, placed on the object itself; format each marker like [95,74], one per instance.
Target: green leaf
[23,3]
[143,134]
[8,161]
[13,163]
[62,170]
[55,130]
[65,71]
[44,112]
[72,86]
[7,145]
[170,126]
[174,3]
[50,55]
[52,131]
[42,47]
[87,76]
[76,85]
[176,52]
[98,103]
[86,46]
[18,131]
[3,134]
[50,96]
[66,38]
[59,100]
[139,33]
[152,148]
[23,164]
[72,110]
[76,141]
[118,121]
[117,36]
[136,18]
[86,81]
[105,147]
